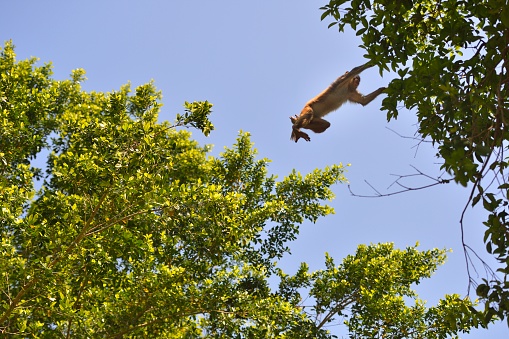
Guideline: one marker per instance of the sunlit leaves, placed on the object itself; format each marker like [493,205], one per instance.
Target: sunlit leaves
[135,231]
[195,115]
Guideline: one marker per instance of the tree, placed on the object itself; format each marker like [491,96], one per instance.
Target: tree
[458,85]
[135,232]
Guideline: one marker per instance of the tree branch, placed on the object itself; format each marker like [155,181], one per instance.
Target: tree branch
[406,188]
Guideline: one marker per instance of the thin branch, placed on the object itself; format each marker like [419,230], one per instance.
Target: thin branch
[421,140]
[406,188]
[338,308]
[467,248]
[102,227]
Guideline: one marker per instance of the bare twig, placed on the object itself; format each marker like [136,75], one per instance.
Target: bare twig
[420,140]
[406,188]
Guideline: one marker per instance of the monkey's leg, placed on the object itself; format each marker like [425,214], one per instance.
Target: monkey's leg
[318,125]
[366,99]
[350,74]
[358,70]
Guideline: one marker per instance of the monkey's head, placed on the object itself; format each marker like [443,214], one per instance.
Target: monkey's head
[354,83]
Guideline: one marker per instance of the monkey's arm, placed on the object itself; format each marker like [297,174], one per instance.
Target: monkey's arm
[366,99]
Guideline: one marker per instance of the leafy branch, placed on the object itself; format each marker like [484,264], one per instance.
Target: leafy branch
[196,115]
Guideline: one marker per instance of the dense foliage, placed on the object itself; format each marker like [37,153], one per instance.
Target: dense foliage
[452,58]
[136,232]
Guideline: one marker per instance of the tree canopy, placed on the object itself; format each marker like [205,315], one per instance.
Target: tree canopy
[134,231]
[452,62]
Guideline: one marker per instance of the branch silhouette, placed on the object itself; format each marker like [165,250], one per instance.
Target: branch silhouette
[404,188]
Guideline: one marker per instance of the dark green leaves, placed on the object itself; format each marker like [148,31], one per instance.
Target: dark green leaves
[457,87]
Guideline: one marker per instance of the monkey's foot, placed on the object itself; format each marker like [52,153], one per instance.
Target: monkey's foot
[296,135]
[305,137]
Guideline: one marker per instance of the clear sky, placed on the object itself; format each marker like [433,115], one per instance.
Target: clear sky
[258,63]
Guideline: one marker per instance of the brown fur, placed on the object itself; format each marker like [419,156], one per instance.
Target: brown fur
[341,90]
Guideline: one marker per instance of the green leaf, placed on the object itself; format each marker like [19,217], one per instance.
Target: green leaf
[361,31]
[504,16]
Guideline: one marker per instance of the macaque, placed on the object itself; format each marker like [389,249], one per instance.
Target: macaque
[342,90]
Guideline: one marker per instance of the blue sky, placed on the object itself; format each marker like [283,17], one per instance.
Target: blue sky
[258,63]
